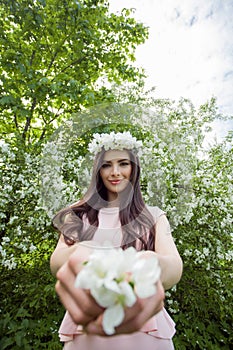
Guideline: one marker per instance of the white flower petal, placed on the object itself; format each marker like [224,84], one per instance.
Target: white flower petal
[129,295]
[145,290]
[104,297]
[112,317]
[146,270]
[86,279]
[112,285]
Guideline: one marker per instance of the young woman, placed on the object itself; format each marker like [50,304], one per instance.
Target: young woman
[113,209]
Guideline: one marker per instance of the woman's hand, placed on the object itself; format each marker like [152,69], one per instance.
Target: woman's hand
[85,311]
[78,302]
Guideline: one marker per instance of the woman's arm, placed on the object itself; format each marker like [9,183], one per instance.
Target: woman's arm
[167,253]
[61,254]
[63,251]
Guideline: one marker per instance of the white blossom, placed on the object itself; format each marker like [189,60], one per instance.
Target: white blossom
[120,140]
[115,278]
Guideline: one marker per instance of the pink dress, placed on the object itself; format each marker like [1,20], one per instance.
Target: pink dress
[161,325]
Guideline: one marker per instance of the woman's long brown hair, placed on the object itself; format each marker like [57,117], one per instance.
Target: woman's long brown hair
[138,225]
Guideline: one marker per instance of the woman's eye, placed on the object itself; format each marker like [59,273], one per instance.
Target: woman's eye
[124,163]
[105,166]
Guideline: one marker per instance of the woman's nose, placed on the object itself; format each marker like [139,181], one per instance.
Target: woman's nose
[115,170]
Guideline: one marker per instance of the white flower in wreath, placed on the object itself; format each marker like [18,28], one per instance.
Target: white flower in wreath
[114,140]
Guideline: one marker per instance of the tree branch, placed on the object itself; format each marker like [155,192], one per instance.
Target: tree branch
[32,57]
[79,60]
[16,121]
[28,120]
[49,122]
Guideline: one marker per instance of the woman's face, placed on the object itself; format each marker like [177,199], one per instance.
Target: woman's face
[115,172]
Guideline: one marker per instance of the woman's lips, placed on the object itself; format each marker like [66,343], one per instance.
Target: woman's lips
[115,182]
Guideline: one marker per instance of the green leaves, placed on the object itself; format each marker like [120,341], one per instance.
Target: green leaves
[53,53]
[30,311]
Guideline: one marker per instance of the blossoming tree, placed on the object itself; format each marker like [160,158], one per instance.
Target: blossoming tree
[193,185]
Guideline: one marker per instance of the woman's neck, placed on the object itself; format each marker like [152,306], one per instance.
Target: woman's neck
[113,204]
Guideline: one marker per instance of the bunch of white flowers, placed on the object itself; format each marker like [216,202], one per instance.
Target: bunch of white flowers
[115,278]
[120,140]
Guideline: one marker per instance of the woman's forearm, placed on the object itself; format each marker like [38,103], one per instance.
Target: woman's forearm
[60,256]
[63,252]
[171,269]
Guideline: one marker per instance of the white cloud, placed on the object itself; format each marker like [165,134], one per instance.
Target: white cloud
[190,49]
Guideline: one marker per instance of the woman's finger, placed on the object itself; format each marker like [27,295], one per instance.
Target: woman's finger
[78,316]
[75,299]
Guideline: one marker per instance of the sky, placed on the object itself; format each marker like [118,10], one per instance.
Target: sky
[189,52]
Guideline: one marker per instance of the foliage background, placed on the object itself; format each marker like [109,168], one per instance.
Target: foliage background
[57,60]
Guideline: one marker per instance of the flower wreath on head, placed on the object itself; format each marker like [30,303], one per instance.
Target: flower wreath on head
[120,141]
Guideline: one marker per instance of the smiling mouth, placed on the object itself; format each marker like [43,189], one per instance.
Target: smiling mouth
[114,182]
